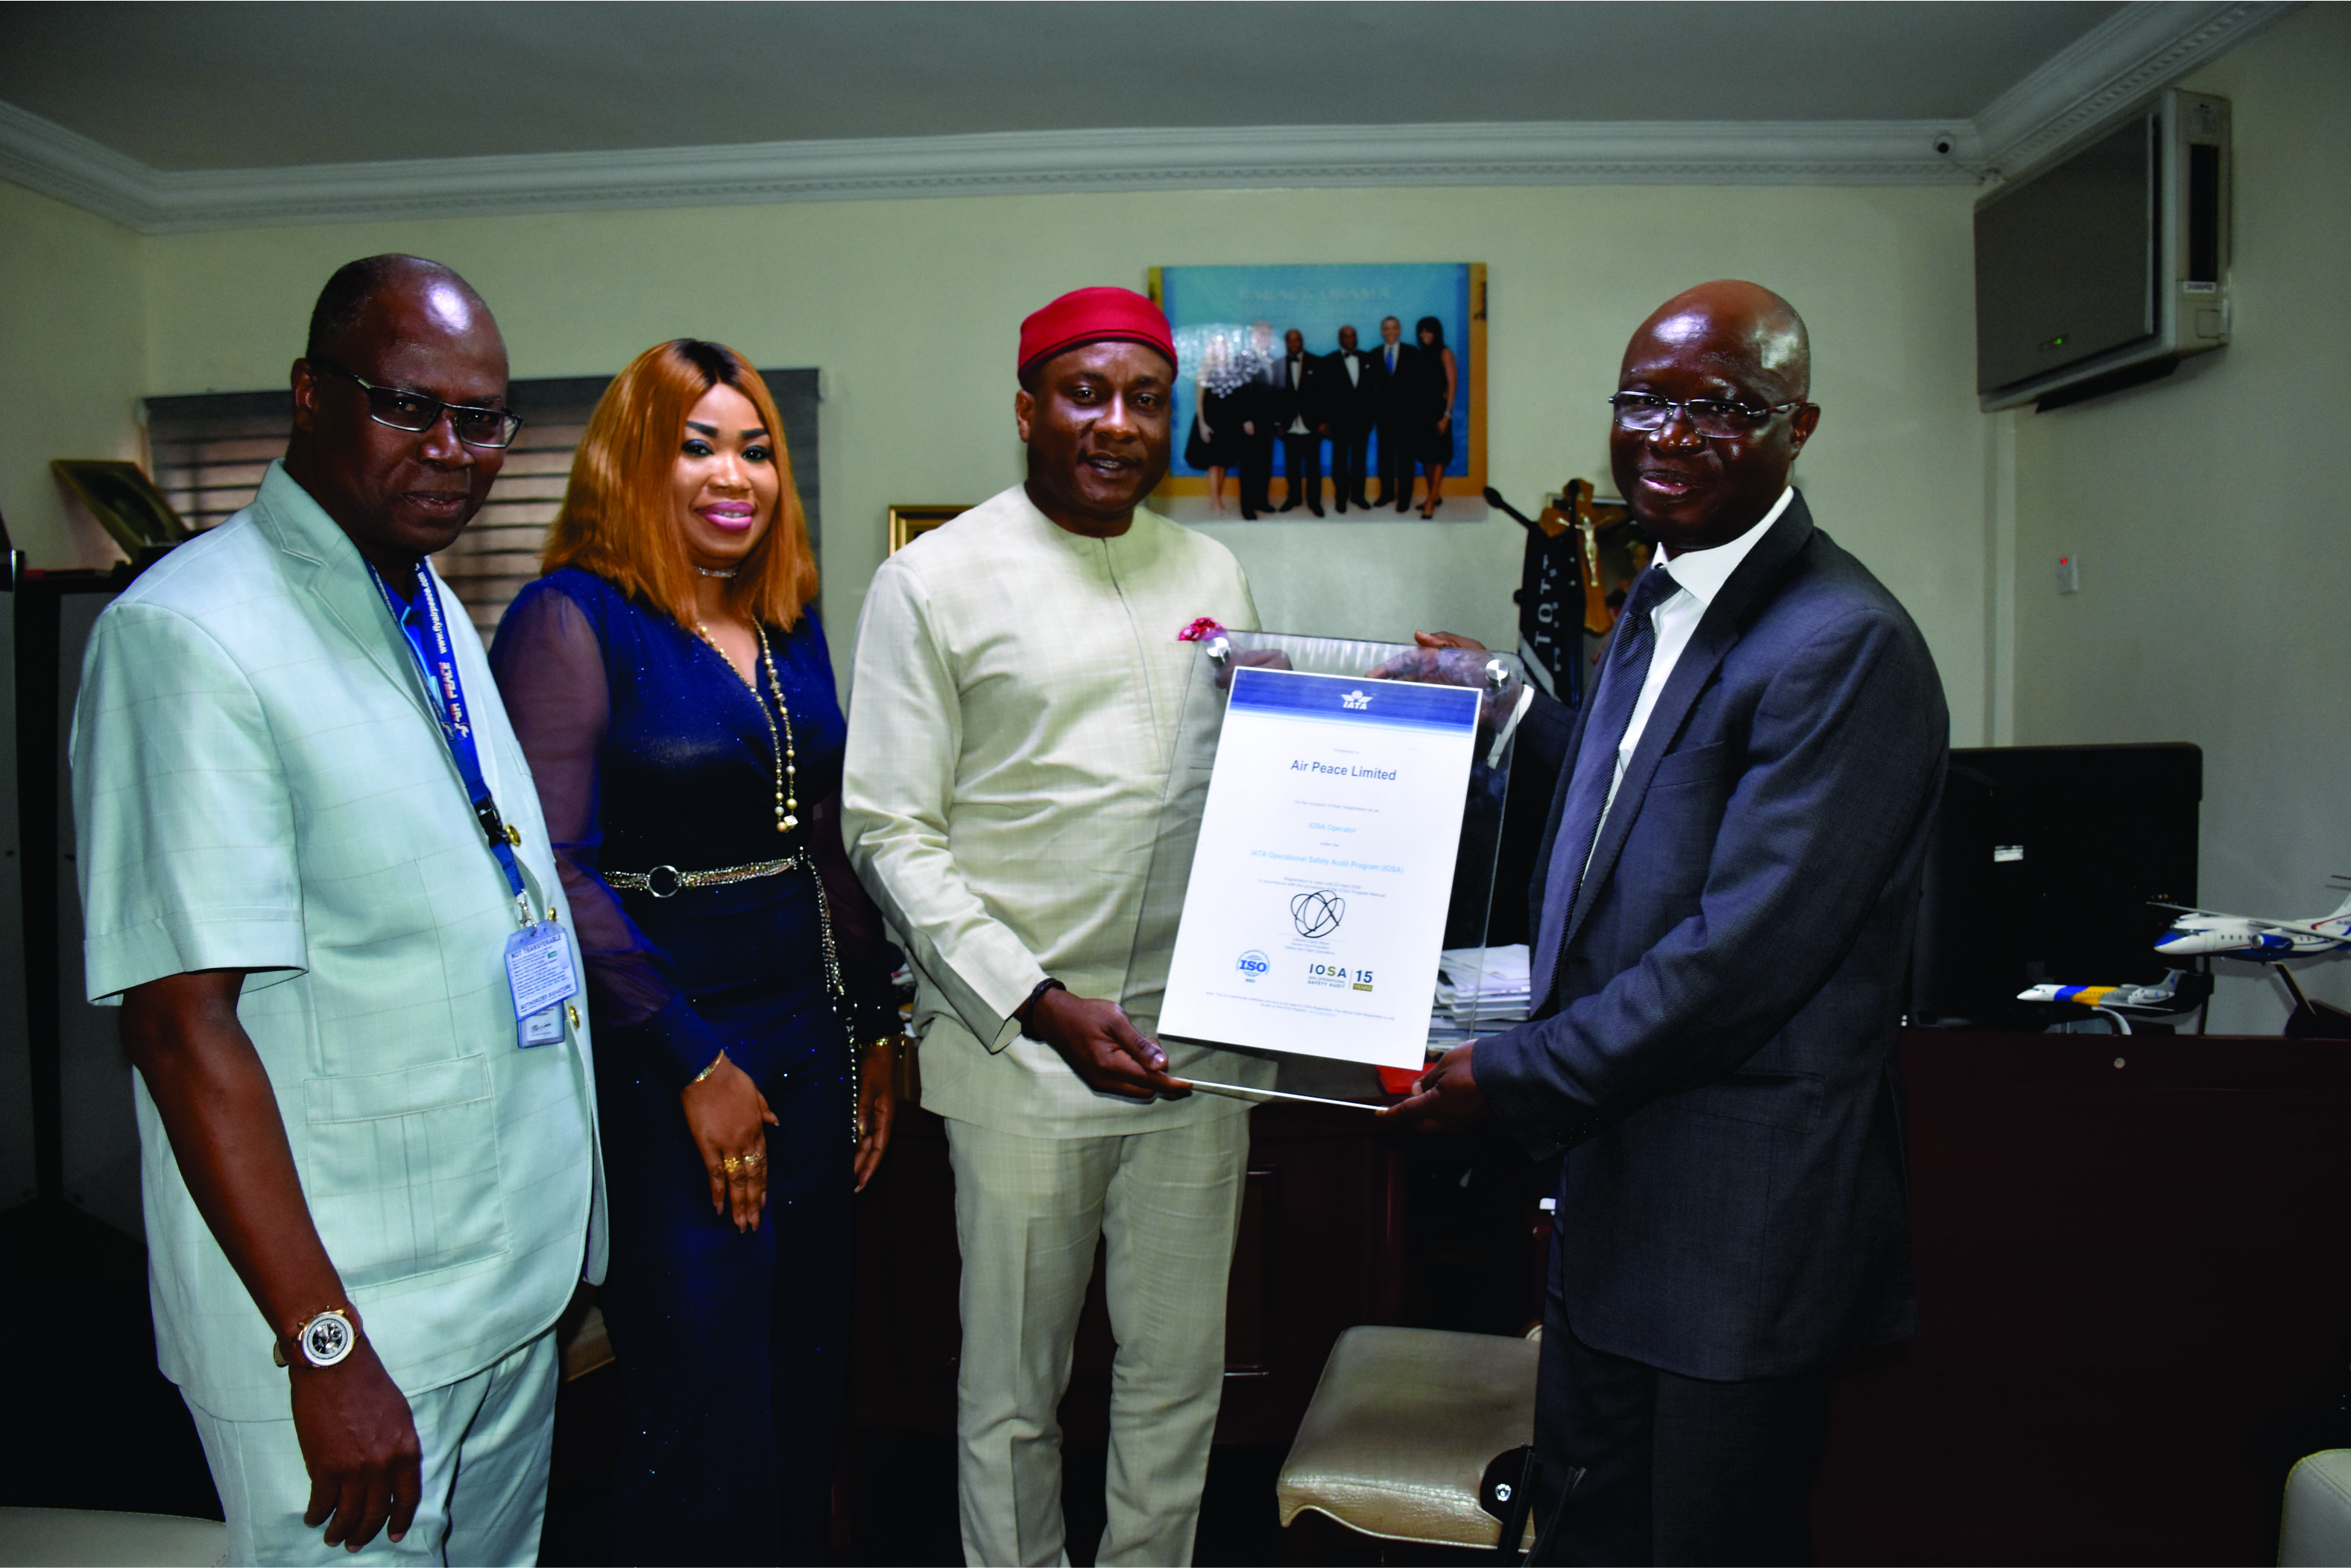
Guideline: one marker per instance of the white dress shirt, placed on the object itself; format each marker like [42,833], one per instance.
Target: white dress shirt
[1698,576]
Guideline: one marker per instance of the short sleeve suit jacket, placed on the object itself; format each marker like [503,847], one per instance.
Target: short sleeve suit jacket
[1715,1066]
[258,784]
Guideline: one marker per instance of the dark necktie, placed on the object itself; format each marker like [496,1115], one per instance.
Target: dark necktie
[1391,359]
[1595,766]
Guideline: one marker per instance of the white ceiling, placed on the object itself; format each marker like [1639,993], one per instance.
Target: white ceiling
[168,116]
[220,86]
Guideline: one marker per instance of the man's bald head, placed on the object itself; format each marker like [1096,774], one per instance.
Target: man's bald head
[1723,343]
[344,303]
[415,334]
[1739,322]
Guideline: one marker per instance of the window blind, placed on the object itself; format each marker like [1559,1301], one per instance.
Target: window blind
[209,451]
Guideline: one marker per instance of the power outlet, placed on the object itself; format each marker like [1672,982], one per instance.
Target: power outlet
[2069,574]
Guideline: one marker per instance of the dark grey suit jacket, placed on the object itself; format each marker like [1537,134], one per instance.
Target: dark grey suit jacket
[1717,1059]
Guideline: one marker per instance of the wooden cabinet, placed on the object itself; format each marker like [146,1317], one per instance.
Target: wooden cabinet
[2134,1304]
[2134,1295]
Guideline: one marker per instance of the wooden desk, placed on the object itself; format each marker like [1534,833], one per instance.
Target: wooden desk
[2135,1303]
[2135,1295]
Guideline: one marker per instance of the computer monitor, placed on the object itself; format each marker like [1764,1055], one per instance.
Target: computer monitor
[2045,864]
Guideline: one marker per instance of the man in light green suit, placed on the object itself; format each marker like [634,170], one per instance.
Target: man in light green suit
[299,882]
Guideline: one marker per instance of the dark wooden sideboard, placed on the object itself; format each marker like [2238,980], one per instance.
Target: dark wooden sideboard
[2135,1295]
[2134,1258]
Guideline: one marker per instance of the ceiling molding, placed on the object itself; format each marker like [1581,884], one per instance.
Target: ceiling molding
[44,156]
[2139,49]
[48,158]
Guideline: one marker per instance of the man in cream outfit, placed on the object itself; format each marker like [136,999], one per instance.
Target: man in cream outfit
[345,1148]
[1012,720]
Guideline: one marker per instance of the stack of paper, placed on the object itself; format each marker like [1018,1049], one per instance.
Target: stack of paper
[1478,991]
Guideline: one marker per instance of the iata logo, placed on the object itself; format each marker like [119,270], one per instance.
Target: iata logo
[1252,964]
[1357,698]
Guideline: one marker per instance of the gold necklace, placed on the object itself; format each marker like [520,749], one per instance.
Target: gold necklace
[787,807]
[787,803]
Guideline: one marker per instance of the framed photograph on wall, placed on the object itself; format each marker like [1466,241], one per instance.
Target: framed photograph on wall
[909,523]
[124,501]
[1231,327]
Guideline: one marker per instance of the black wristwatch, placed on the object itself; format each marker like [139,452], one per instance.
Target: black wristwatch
[1020,1014]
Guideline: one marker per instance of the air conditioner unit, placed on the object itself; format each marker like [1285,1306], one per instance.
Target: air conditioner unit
[2109,266]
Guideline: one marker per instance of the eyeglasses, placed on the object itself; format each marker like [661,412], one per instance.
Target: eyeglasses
[413,411]
[1708,416]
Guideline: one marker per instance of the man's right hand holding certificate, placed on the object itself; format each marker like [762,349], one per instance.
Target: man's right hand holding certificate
[1101,1045]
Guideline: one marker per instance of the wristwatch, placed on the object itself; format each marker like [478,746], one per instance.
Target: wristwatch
[324,1338]
[1022,1013]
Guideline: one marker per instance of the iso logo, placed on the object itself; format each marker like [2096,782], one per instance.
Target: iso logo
[1317,913]
[1252,964]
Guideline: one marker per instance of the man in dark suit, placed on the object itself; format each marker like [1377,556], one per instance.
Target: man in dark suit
[1303,421]
[1348,376]
[1723,912]
[1395,373]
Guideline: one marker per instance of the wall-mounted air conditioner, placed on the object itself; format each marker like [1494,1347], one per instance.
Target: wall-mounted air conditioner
[2110,265]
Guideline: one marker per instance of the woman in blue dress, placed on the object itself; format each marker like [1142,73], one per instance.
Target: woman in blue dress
[671,687]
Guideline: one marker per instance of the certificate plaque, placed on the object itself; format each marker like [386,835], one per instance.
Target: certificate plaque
[1313,861]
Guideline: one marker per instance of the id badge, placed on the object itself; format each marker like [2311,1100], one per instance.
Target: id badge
[541,973]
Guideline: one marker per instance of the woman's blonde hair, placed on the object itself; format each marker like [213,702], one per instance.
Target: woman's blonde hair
[619,519]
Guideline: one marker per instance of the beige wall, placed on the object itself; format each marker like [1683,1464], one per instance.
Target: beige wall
[912,308]
[72,360]
[2209,517]
[2212,517]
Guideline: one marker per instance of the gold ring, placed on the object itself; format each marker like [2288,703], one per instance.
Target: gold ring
[731,1163]
[754,1158]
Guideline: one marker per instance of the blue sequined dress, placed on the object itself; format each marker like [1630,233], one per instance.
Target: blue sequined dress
[648,750]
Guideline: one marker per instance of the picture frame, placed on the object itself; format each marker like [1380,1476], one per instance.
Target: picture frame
[125,502]
[908,524]
[1220,314]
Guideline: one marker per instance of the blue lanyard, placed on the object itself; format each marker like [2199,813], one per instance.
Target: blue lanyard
[437,661]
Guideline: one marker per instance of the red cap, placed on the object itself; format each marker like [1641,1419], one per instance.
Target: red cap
[1090,316]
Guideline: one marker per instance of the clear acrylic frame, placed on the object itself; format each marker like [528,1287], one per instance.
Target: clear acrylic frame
[1198,728]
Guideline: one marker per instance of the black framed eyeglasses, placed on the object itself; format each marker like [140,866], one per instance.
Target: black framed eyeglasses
[493,428]
[1708,416]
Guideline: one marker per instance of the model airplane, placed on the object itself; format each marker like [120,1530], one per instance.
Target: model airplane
[2255,940]
[2165,996]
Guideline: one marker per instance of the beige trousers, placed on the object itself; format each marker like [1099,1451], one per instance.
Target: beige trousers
[1028,1211]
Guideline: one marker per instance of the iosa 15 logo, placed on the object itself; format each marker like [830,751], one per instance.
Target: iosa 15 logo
[1323,974]
[1251,964]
